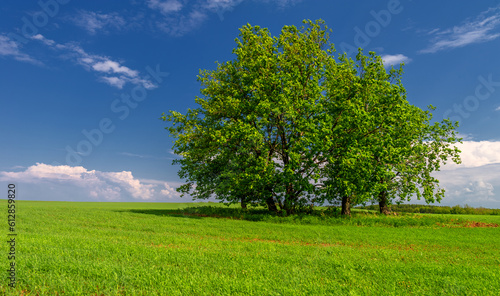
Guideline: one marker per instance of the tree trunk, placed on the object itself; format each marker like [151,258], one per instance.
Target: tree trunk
[290,201]
[271,205]
[346,206]
[243,203]
[382,203]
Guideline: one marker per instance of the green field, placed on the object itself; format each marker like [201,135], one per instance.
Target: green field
[69,248]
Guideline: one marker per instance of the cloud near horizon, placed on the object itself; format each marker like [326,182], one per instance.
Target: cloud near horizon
[88,185]
[474,186]
[474,182]
[476,154]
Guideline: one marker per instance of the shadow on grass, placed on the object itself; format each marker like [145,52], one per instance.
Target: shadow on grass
[317,217]
[163,213]
[251,214]
[208,212]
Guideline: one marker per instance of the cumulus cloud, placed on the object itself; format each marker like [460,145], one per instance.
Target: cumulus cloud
[476,154]
[391,60]
[93,21]
[129,183]
[475,186]
[169,191]
[117,75]
[88,184]
[474,182]
[10,48]
[483,28]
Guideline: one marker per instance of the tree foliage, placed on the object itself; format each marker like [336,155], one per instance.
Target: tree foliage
[286,124]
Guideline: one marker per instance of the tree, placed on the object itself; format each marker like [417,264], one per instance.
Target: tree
[366,102]
[259,115]
[427,147]
[286,124]
[393,147]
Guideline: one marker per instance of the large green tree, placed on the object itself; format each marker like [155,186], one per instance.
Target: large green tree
[254,131]
[390,146]
[419,149]
[286,124]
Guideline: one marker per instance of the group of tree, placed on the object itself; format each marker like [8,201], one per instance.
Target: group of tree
[289,123]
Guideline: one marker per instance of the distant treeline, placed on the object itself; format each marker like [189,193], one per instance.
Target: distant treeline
[404,208]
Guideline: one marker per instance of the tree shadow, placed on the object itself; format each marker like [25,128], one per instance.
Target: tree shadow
[163,213]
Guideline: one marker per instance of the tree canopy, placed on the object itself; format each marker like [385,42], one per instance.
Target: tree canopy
[287,123]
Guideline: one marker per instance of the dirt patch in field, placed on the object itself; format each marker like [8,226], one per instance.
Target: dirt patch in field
[466,224]
[473,224]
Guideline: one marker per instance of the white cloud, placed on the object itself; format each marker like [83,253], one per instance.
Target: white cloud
[88,184]
[16,167]
[475,186]
[109,66]
[93,21]
[466,137]
[481,29]
[129,183]
[476,154]
[117,76]
[498,108]
[391,60]
[134,155]
[178,19]
[165,7]
[216,5]
[183,24]
[43,39]
[42,171]
[474,182]
[114,81]
[10,48]
[283,3]
[169,191]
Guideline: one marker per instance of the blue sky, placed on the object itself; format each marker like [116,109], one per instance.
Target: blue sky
[83,84]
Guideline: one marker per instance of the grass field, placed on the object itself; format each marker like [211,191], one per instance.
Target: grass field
[67,248]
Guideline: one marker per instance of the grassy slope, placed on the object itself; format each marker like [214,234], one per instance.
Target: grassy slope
[138,249]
